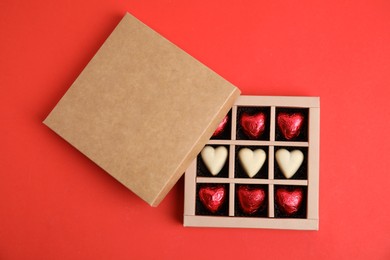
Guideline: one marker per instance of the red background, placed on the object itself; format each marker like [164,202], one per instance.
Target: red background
[56,204]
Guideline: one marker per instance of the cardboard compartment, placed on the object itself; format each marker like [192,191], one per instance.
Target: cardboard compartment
[268,177]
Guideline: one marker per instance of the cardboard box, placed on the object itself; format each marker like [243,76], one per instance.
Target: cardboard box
[142,109]
[269,180]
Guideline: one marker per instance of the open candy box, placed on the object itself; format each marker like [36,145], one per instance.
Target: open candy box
[143,109]
[260,169]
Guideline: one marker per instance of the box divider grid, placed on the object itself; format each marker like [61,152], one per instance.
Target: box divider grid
[271,152]
[232,162]
[232,158]
[245,222]
[313,168]
[271,211]
[250,181]
[278,101]
[190,184]
[258,143]
[271,162]
[272,124]
[234,122]
[312,181]
[232,191]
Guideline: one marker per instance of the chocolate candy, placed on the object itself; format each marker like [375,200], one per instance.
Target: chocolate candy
[289,201]
[214,158]
[290,124]
[212,197]
[253,125]
[250,198]
[251,161]
[289,162]
[221,127]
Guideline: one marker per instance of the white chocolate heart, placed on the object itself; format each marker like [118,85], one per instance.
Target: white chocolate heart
[214,159]
[251,161]
[289,162]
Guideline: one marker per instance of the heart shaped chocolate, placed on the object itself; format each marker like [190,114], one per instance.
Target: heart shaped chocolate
[289,201]
[253,125]
[212,197]
[214,159]
[250,199]
[221,126]
[289,162]
[251,161]
[290,124]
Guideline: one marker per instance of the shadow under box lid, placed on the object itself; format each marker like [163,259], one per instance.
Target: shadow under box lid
[142,109]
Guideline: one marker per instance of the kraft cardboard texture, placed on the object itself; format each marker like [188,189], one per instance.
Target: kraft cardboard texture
[142,109]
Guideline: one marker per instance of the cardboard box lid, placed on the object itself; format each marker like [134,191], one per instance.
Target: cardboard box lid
[142,109]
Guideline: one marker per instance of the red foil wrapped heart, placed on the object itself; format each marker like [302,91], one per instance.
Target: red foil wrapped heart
[221,126]
[212,197]
[250,199]
[253,125]
[289,202]
[290,124]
